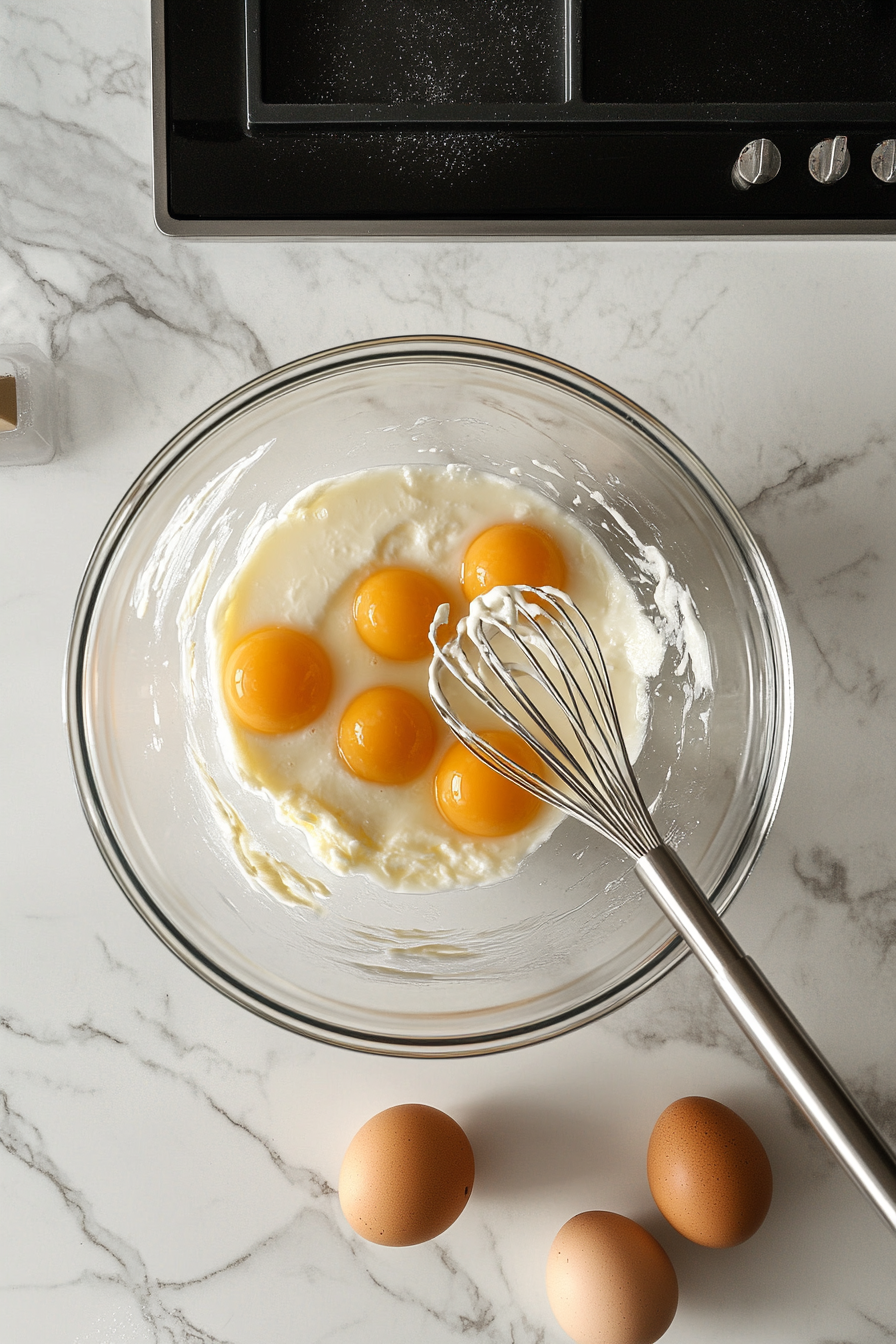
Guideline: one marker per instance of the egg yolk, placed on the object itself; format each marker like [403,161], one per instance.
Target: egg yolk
[386,736]
[512,554]
[475,799]
[277,680]
[393,610]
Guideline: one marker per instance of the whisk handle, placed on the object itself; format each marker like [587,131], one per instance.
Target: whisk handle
[780,1040]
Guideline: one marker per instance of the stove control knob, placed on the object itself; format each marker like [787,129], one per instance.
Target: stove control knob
[883,161]
[757,163]
[829,160]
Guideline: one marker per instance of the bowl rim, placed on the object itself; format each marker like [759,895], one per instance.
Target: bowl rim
[390,350]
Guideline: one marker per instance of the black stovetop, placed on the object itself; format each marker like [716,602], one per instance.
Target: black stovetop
[520,116]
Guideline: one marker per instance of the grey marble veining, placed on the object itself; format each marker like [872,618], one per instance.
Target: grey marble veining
[167,1162]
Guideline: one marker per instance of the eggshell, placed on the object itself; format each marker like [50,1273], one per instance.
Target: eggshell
[406,1176]
[610,1282]
[708,1172]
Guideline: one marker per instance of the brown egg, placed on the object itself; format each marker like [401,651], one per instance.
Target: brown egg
[610,1282]
[406,1176]
[708,1172]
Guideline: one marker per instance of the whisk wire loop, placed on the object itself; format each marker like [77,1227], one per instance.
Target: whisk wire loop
[578,773]
[545,642]
[570,769]
[482,748]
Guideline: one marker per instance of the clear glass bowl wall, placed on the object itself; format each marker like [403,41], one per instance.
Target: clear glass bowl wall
[572,935]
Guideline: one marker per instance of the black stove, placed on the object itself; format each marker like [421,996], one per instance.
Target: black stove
[524,117]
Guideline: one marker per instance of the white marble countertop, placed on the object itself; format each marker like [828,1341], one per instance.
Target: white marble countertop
[167,1161]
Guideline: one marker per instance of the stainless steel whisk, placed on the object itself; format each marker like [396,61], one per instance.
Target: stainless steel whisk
[530,657]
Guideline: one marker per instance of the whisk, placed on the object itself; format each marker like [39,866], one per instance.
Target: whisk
[531,658]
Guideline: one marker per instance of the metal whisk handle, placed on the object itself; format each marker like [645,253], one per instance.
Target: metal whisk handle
[774,1031]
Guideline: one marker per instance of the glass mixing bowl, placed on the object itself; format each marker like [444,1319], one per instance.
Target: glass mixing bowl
[460,972]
